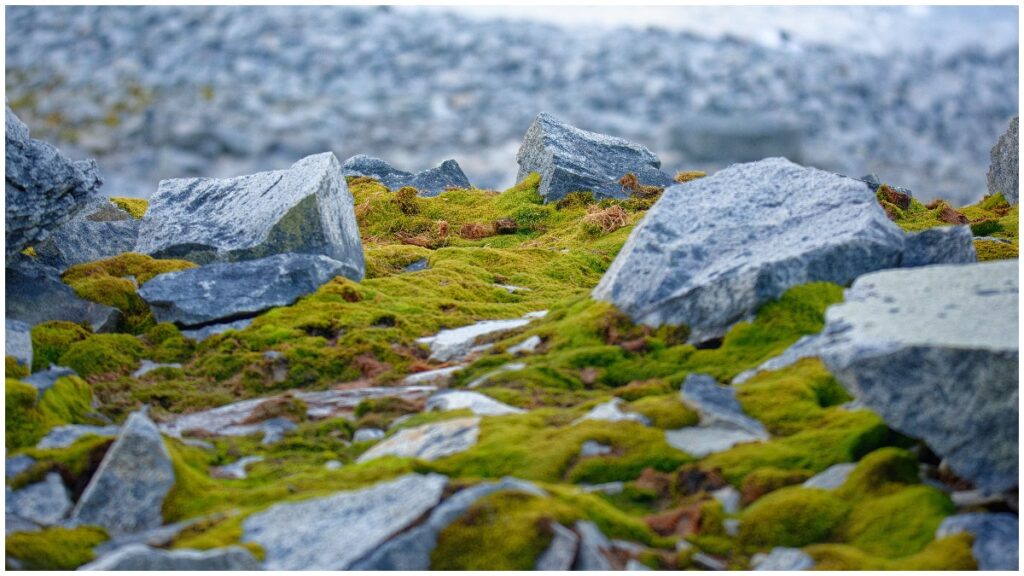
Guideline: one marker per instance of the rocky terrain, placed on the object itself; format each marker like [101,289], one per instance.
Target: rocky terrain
[346,365]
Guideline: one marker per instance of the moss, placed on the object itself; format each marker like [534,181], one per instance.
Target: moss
[50,340]
[15,369]
[75,462]
[689,175]
[135,206]
[30,252]
[666,412]
[792,399]
[899,524]
[103,354]
[991,216]
[988,250]
[791,517]
[166,344]
[388,259]
[55,548]
[612,522]
[767,480]
[951,553]
[880,473]
[29,416]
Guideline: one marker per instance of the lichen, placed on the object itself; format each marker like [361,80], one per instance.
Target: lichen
[135,206]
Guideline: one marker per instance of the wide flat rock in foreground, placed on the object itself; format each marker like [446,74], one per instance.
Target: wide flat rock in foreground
[934,351]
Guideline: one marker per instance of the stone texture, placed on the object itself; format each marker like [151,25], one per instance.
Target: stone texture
[700,441]
[237,469]
[35,294]
[147,366]
[456,343]
[610,411]
[475,402]
[429,182]
[139,557]
[42,186]
[831,478]
[805,347]
[334,532]
[62,436]
[44,503]
[18,341]
[717,404]
[996,538]
[1003,172]
[561,553]
[17,464]
[228,291]
[306,209]
[429,441]
[593,548]
[367,435]
[99,230]
[200,334]
[934,351]
[569,159]
[942,245]
[710,252]
[127,492]
[784,560]
[593,448]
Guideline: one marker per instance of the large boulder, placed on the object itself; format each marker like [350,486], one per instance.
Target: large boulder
[42,186]
[934,351]
[306,209]
[570,160]
[139,557]
[126,494]
[99,230]
[232,290]
[1003,172]
[709,253]
[429,182]
[35,294]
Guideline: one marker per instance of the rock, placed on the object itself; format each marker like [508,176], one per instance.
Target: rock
[127,492]
[438,376]
[200,334]
[510,367]
[237,469]
[593,548]
[99,230]
[831,478]
[634,565]
[610,412]
[717,405]
[305,209]
[700,441]
[429,182]
[429,441]
[228,291]
[416,266]
[17,464]
[456,343]
[18,341]
[367,435]
[147,366]
[527,346]
[806,347]
[996,536]
[334,532]
[561,553]
[934,352]
[783,560]
[708,562]
[44,503]
[1003,172]
[592,448]
[35,294]
[569,159]
[411,549]
[139,557]
[731,526]
[942,245]
[729,498]
[751,232]
[63,436]
[42,187]
[332,465]
[44,379]
[475,402]
[605,488]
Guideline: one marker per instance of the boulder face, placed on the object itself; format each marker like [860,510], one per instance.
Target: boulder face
[934,351]
[35,294]
[1003,173]
[232,290]
[570,160]
[97,231]
[709,253]
[429,182]
[305,209]
[942,245]
[42,186]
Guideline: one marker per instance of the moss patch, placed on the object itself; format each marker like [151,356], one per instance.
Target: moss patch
[135,206]
[55,548]
[103,354]
[50,340]
[29,417]
[791,517]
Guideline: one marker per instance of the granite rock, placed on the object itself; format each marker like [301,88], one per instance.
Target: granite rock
[1004,172]
[429,441]
[18,341]
[35,294]
[99,230]
[942,245]
[429,182]
[139,557]
[43,503]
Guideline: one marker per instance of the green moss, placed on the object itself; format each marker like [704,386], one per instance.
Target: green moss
[988,250]
[135,206]
[992,216]
[792,399]
[29,417]
[880,473]
[612,522]
[667,412]
[388,259]
[55,548]
[791,517]
[15,369]
[103,354]
[74,462]
[166,344]
[766,480]
[951,553]
[50,340]
[899,524]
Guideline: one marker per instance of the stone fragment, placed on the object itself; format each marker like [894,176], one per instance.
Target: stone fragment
[429,441]
[35,294]
[18,341]
[99,230]
[610,411]
[942,245]
[237,469]
[561,553]
[429,182]
[475,402]
[592,448]
[367,435]
[45,379]
[594,548]
[456,343]
[1003,172]
[783,560]
[831,478]
[718,405]
[139,557]
[43,503]
[63,436]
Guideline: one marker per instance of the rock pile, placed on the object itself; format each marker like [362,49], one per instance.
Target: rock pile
[429,182]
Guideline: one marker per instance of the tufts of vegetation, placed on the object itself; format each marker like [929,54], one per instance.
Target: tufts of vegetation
[103,354]
[689,175]
[50,340]
[991,217]
[55,548]
[30,416]
[791,517]
[135,206]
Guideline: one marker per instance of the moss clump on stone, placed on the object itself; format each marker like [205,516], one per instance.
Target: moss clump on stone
[50,340]
[75,462]
[667,412]
[951,553]
[989,250]
[55,548]
[103,354]
[29,416]
[791,517]
[135,206]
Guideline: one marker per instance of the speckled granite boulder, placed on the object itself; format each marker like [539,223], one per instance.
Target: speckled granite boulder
[1004,172]
[36,294]
[996,538]
[429,182]
[99,230]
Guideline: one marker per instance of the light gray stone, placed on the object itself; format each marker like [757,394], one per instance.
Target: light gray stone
[729,498]
[784,560]
[304,209]
[592,448]
[99,230]
[227,291]
[996,538]
[18,341]
[700,441]
[1003,172]
[561,553]
[711,252]
[634,565]
[942,245]
[594,548]
[334,532]
[147,366]
[367,435]
[127,492]
[610,411]
[438,376]
[429,441]
[605,488]
[62,436]
[570,160]
[806,347]
[44,379]
[527,346]
[35,294]
[934,351]
[429,182]
[43,503]
[475,402]
[139,557]
[456,343]
[237,469]
[831,478]
[17,464]
[717,405]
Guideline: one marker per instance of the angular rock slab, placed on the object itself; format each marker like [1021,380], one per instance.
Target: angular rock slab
[127,492]
[1004,172]
[475,402]
[594,548]
[42,503]
[711,252]
[571,160]
[831,478]
[43,188]
[942,245]
[996,538]
[610,411]
[18,341]
[429,182]
[35,294]
[934,351]
[99,230]
[456,343]
[228,291]
[561,553]
[144,558]
[332,533]
[429,441]
[306,209]
[784,559]
[717,405]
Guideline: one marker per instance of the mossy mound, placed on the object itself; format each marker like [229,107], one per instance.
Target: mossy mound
[29,415]
[50,340]
[135,206]
[55,548]
[992,217]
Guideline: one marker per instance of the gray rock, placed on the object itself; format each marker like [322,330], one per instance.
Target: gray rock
[416,266]
[708,562]
[527,346]
[831,478]
[593,548]
[237,469]
[996,537]
[200,334]
[18,341]
[305,209]
[805,347]
[429,441]
[700,441]
[42,187]
[437,376]
[610,411]
[605,488]
[43,503]
[934,351]
[227,291]
[1003,172]
[275,429]
[717,405]
[367,435]
[429,182]
[457,343]
[99,230]
[561,553]
[592,448]
[729,498]
[784,560]
[14,524]
[144,558]
[17,464]
[334,532]
[569,160]
[45,379]
[35,294]
[127,492]
[942,245]
[62,436]
[147,366]
[475,402]
[712,251]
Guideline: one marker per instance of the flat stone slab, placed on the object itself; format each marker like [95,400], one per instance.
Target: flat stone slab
[594,548]
[139,557]
[611,411]
[35,294]
[784,560]
[934,351]
[18,341]
[1004,172]
[62,436]
[438,376]
[429,441]
[429,182]
[996,538]
[561,553]
[700,441]
[42,503]
[45,379]
[718,406]
[456,343]
[941,245]
[334,532]
[477,403]
[831,478]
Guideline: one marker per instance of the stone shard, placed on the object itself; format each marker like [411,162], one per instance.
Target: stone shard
[475,402]
[99,230]
[717,405]
[569,160]
[429,182]
[709,253]
[305,209]
[63,436]
[942,245]
[784,560]
[561,553]
[42,186]
[45,379]
[1003,172]
[18,341]
[831,478]
[996,538]
[455,344]
[594,548]
[934,351]
[139,557]
[126,493]
[429,441]
[334,532]
[42,503]
[228,291]
[610,411]
[35,294]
